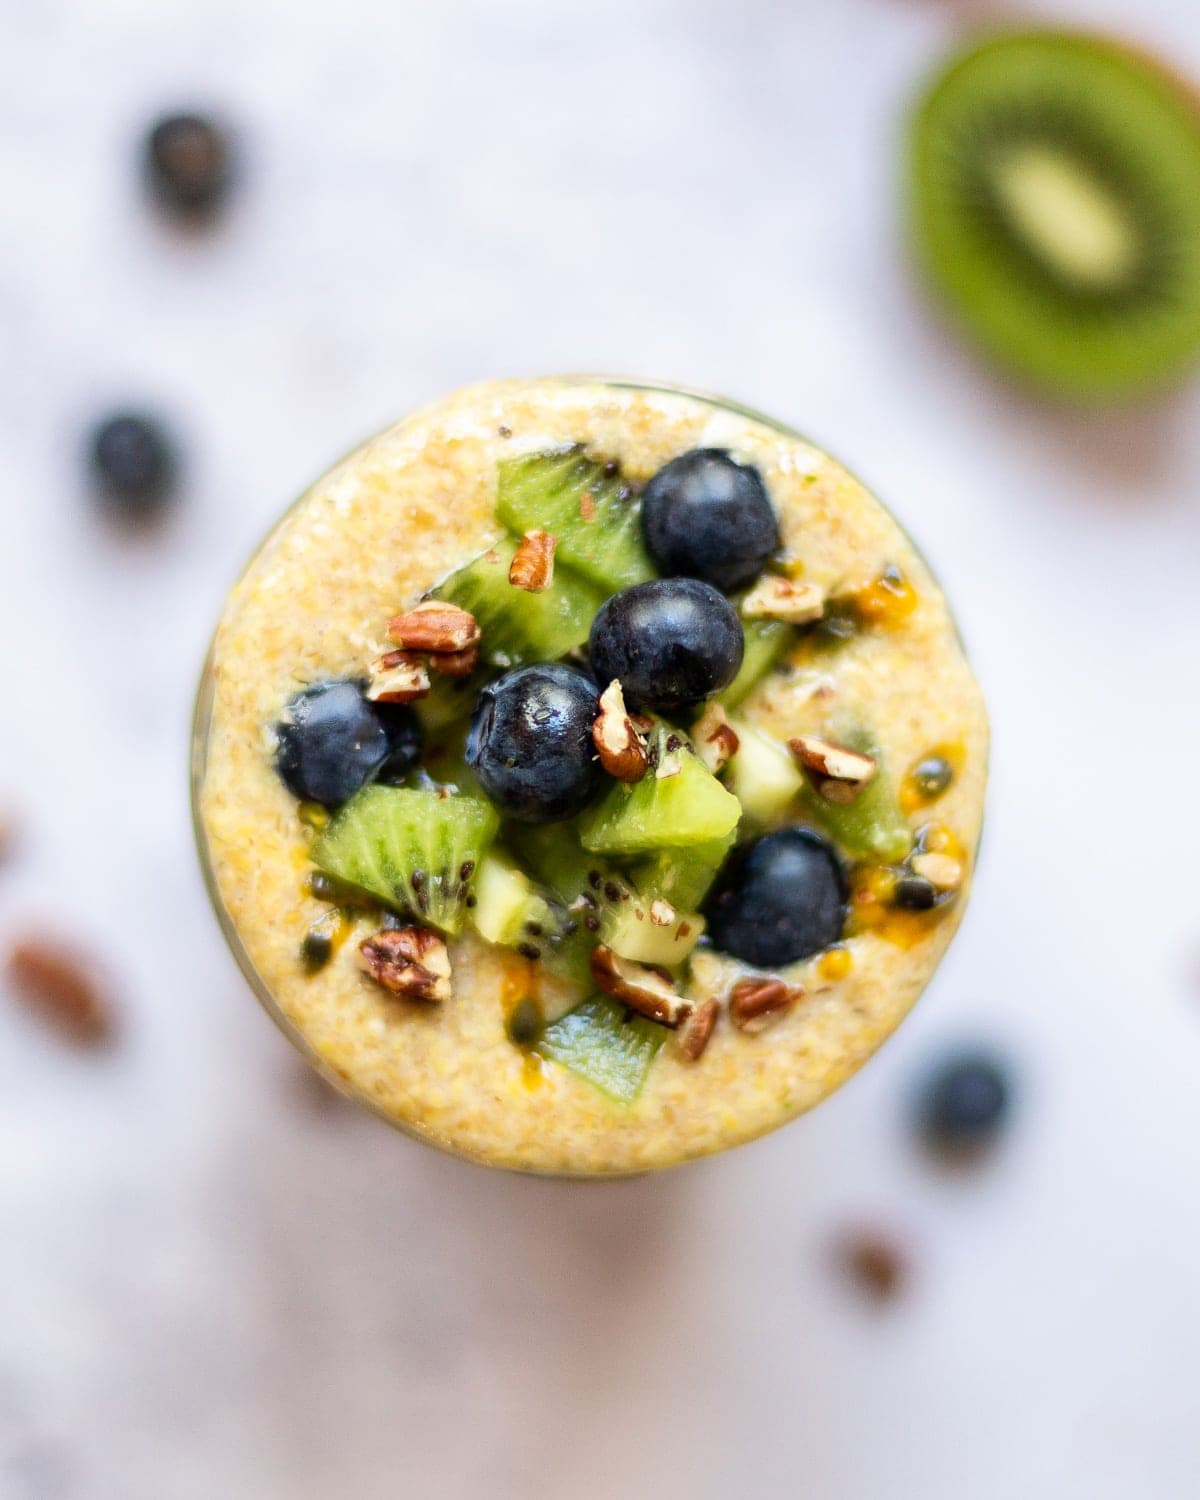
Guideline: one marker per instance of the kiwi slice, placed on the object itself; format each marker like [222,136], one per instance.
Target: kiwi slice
[678,802]
[602,1043]
[586,505]
[412,848]
[1054,195]
[766,641]
[519,626]
[682,875]
[872,826]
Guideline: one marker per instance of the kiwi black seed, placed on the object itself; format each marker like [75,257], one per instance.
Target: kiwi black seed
[1054,198]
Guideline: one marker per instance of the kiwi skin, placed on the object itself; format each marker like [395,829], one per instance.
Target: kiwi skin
[1075,356]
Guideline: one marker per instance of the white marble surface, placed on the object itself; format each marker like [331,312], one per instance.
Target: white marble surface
[208,1288]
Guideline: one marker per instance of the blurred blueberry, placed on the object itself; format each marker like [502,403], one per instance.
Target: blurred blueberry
[188,161]
[964,1103]
[134,463]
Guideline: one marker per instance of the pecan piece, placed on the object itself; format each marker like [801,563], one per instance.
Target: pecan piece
[754,1003]
[434,625]
[397,677]
[57,986]
[532,567]
[715,738]
[693,1039]
[837,772]
[640,988]
[409,961]
[775,598]
[455,663]
[621,748]
[662,913]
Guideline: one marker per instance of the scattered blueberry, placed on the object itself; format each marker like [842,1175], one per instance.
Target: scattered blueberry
[964,1103]
[530,742]
[704,515]
[672,642]
[403,730]
[331,742]
[134,462]
[914,893]
[778,899]
[188,164]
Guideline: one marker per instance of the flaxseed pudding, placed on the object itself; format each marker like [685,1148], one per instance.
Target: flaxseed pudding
[588,775]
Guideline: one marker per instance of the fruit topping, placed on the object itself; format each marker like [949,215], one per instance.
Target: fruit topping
[704,515]
[641,988]
[606,1045]
[765,642]
[837,773]
[531,742]
[763,776]
[672,642]
[687,806]
[964,1103]
[408,961]
[411,848]
[870,825]
[620,746]
[942,871]
[330,742]
[683,875]
[525,1022]
[519,626]
[914,893]
[405,739]
[754,1003]
[784,599]
[698,1029]
[585,504]
[779,899]
[532,567]
[930,777]
[188,164]
[133,459]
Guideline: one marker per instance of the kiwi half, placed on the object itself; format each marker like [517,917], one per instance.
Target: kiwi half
[1054,199]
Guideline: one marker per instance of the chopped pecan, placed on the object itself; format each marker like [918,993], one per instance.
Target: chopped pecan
[409,961]
[434,625]
[693,1039]
[669,758]
[532,567]
[837,772]
[715,737]
[58,986]
[875,1263]
[640,988]
[587,507]
[941,870]
[754,1003]
[398,677]
[662,913]
[455,663]
[775,598]
[621,749]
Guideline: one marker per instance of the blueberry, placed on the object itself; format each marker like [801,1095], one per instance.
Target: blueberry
[779,899]
[672,642]
[704,515]
[331,742]
[403,730]
[964,1103]
[134,462]
[188,163]
[530,742]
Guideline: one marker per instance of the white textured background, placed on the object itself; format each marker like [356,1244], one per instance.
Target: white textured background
[210,1286]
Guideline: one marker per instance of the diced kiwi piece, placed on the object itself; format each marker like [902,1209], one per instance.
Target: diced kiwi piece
[553,854]
[519,626]
[872,825]
[509,909]
[687,807]
[766,642]
[763,776]
[1054,190]
[412,848]
[587,506]
[682,875]
[448,703]
[600,1042]
[631,929]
